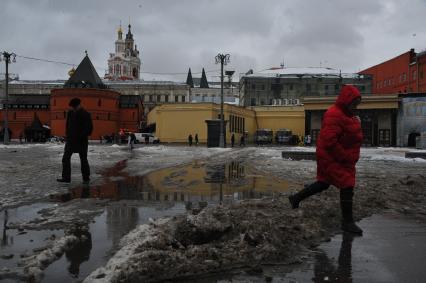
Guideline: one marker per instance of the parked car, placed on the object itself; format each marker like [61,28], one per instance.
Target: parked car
[263,136]
[140,138]
[283,136]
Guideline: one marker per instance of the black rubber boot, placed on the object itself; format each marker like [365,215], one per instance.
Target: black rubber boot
[308,191]
[346,203]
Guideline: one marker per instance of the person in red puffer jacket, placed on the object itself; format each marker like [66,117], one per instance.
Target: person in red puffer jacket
[338,149]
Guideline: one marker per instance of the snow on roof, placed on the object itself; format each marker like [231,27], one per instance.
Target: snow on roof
[302,71]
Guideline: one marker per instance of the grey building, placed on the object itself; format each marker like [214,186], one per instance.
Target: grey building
[412,120]
[287,86]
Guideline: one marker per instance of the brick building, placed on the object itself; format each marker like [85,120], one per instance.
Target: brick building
[110,110]
[406,73]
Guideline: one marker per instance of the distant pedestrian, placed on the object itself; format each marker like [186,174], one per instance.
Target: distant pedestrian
[100,139]
[232,140]
[338,149]
[146,139]
[196,139]
[131,141]
[190,140]
[78,128]
[242,141]
[20,137]
[308,140]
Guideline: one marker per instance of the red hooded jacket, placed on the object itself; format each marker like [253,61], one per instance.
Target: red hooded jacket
[339,142]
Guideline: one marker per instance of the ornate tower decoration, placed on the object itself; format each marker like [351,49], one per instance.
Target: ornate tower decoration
[125,63]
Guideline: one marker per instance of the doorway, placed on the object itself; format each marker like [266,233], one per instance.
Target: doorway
[412,139]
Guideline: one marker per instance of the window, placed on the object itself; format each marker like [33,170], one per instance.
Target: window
[421,74]
[262,87]
[326,88]
[253,86]
[270,101]
[109,116]
[253,102]
[336,87]
[414,75]
[151,99]
[404,77]
[176,98]
[183,98]
[262,102]
[54,102]
[291,86]
[308,87]
[99,103]
[158,98]
[166,98]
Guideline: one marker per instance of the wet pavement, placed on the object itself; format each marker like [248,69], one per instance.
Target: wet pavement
[196,182]
[392,250]
[135,200]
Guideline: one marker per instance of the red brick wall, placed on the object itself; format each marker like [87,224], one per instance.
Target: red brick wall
[397,75]
[103,105]
[19,119]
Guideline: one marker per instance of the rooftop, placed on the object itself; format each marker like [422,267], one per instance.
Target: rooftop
[302,71]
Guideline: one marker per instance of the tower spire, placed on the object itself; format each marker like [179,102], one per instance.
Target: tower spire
[120,32]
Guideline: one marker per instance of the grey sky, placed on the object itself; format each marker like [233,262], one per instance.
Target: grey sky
[175,35]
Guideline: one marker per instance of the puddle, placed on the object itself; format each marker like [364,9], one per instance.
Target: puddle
[105,234]
[161,193]
[392,250]
[190,183]
[16,243]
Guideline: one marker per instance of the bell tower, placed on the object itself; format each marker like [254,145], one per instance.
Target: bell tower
[125,63]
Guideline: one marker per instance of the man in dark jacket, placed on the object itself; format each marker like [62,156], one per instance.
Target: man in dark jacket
[338,149]
[78,129]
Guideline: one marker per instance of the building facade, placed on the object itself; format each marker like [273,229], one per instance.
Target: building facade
[406,73]
[110,110]
[378,118]
[412,120]
[190,118]
[288,86]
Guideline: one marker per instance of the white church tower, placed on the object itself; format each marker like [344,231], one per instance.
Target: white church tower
[124,64]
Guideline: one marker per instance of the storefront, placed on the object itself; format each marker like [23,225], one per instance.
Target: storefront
[378,118]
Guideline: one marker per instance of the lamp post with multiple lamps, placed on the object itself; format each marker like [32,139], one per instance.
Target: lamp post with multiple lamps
[223,59]
[6,56]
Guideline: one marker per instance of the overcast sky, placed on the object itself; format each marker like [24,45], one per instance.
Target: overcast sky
[175,35]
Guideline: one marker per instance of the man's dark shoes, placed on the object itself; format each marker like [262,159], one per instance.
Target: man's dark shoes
[293,199]
[62,180]
[351,227]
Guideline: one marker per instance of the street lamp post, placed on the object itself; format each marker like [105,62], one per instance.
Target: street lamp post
[223,59]
[6,57]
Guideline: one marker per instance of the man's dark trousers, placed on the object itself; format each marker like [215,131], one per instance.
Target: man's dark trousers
[66,162]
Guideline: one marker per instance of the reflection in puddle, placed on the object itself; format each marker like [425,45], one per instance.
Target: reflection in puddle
[162,193]
[189,183]
[105,233]
[16,243]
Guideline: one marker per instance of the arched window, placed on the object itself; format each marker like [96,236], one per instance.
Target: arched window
[99,102]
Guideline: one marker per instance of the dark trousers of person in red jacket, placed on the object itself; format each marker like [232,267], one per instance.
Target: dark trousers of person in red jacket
[346,203]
